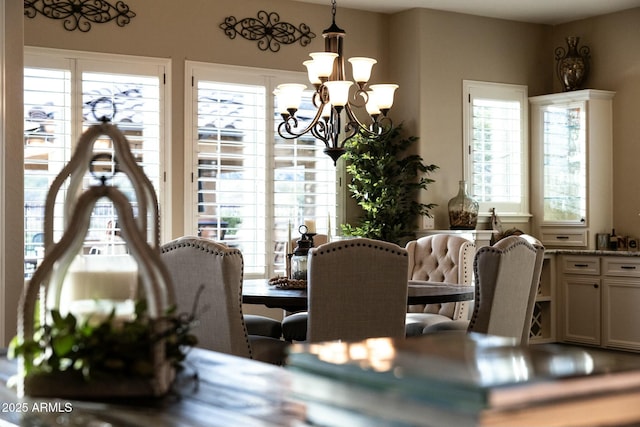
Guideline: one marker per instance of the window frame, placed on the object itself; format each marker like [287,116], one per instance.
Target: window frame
[195,71]
[77,62]
[508,212]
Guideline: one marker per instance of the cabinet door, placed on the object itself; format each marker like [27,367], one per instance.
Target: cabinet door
[581,314]
[564,164]
[621,300]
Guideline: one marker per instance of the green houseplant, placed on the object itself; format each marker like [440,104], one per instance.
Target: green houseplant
[385,182]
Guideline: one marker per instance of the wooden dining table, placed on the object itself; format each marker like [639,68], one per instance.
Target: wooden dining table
[213,390]
[259,291]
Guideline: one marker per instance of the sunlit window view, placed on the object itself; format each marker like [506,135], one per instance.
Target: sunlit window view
[53,122]
[496,151]
[255,188]
[564,164]
[496,147]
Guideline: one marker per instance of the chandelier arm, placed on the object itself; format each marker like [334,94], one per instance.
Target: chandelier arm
[380,126]
[353,119]
[286,125]
[320,131]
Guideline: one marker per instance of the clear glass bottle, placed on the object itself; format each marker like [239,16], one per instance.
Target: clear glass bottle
[463,210]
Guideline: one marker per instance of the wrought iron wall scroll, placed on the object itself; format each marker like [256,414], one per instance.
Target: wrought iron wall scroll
[267,30]
[80,14]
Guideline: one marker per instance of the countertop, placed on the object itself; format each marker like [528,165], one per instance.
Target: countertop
[593,252]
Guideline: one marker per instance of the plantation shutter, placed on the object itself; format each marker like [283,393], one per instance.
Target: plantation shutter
[250,187]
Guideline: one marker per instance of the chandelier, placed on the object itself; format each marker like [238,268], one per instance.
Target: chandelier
[332,97]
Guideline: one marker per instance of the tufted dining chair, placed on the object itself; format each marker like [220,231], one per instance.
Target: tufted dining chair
[439,258]
[207,278]
[357,289]
[507,275]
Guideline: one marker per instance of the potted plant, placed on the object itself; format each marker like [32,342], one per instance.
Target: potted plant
[385,182]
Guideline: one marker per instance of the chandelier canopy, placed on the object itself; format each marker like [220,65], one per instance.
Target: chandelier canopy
[332,97]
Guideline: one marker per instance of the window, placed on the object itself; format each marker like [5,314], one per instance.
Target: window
[62,90]
[249,187]
[496,147]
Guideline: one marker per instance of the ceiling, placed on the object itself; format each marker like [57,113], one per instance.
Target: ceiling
[550,12]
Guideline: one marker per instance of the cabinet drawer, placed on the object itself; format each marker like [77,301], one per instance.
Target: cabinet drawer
[581,265]
[621,266]
[564,238]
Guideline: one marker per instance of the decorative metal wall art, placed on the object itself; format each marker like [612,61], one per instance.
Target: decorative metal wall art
[79,14]
[267,30]
[572,64]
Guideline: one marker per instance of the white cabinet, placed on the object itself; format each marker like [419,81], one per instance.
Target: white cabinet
[572,180]
[600,300]
[580,296]
[620,302]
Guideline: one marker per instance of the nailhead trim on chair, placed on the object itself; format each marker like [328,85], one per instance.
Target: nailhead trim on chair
[321,249]
[201,245]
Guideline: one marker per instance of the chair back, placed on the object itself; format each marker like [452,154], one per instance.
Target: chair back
[208,276]
[357,289]
[535,286]
[506,274]
[442,258]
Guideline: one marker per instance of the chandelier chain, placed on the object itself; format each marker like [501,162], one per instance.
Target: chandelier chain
[333,10]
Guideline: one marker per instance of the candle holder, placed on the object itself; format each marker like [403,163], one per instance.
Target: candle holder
[118,338]
[300,254]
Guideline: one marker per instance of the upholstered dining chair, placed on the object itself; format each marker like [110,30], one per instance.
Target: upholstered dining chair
[507,275]
[207,277]
[439,258]
[357,289]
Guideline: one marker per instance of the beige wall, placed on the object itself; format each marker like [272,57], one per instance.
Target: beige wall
[439,51]
[428,52]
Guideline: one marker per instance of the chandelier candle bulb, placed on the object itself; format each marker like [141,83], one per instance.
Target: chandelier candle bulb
[312,72]
[384,95]
[290,95]
[372,104]
[323,63]
[339,92]
[362,69]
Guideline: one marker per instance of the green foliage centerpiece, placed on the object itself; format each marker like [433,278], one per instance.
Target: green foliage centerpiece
[385,183]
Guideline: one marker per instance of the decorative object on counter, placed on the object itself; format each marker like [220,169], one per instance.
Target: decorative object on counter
[386,183]
[602,241]
[622,243]
[572,64]
[463,210]
[80,14]
[267,30]
[613,240]
[300,253]
[331,97]
[100,332]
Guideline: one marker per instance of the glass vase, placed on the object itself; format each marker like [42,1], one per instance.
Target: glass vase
[463,210]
